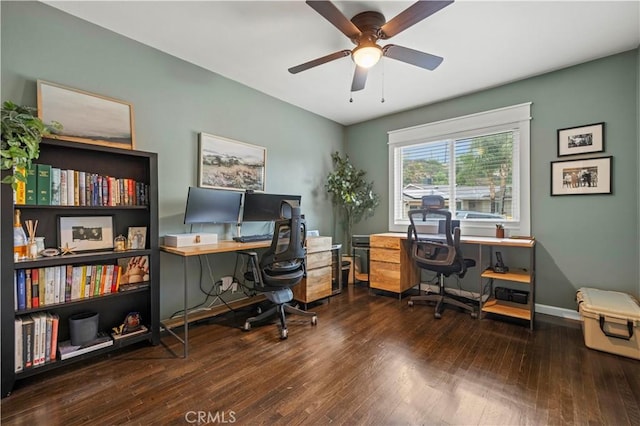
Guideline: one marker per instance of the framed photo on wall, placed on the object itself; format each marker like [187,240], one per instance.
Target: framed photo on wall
[86,117]
[228,164]
[581,177]
[85,233]
[581,140]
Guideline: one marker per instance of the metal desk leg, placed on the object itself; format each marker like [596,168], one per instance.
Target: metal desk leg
[186,321]
[185,340]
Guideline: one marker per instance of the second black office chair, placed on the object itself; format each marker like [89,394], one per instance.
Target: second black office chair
[444,257]
[280,268]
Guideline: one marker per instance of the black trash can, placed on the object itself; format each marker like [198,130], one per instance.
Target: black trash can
[346,267]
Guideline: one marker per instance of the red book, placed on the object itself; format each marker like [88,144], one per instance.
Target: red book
[35,288]
[115,278]
[54,335]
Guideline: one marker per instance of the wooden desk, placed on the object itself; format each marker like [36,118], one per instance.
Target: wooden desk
[316,285]
[393,269]
[224,246]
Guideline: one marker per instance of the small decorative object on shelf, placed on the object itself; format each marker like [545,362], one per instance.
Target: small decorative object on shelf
[499,230]
[119,243]
[19,238]
[137,237]
[32,248]
[132,324]
[66,249]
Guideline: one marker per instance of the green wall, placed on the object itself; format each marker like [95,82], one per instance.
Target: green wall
[581,240]
[173,101]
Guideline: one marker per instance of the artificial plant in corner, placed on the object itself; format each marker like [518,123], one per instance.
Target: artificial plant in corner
[351,193]
[21,134]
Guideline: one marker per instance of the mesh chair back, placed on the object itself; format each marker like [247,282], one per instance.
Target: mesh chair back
[441,254]
[282,264]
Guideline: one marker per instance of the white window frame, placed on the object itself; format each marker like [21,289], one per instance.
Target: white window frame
[515,117]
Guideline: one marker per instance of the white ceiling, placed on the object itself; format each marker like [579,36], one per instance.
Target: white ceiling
[484,44]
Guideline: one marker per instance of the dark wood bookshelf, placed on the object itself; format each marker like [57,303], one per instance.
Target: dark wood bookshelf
[112,307]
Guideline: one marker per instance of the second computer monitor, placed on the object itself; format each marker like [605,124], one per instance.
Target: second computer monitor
[261,207]
[212,206]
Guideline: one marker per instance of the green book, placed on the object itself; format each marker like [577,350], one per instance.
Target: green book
[43,186]
[31,185]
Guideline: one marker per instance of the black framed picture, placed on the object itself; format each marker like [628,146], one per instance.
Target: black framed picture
[581,140]
[582,177]
[85,233]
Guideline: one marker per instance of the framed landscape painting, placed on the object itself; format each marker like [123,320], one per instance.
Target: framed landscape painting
[86,117]
[581,177]
[581,140]
[228,164]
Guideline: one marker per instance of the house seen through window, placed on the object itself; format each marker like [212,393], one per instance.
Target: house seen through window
[479,171]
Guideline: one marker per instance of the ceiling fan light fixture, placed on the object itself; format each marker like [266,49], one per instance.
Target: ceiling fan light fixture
[366,56]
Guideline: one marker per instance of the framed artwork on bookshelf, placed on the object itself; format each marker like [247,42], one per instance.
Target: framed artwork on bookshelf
[581,140]
[228,164]
[86,117]
[137,238]
[135,271]
[85,233]
[581,177]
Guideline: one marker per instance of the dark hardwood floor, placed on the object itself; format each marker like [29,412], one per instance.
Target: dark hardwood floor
[370,360]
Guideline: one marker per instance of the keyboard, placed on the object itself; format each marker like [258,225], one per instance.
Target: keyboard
[253,238]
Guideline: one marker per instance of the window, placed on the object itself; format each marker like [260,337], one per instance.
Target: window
[478,163]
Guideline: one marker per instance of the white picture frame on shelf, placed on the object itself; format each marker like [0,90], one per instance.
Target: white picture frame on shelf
[137,238]
[85,233]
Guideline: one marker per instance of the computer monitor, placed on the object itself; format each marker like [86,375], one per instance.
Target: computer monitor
[261,207]
[212,206]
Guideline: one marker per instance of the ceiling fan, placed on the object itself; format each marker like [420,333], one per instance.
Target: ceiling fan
[366,28]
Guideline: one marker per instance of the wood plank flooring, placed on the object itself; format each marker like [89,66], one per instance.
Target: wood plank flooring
[371,360]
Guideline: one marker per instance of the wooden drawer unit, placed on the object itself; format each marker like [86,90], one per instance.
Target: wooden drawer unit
[318,260]
[317,284]
[392,268]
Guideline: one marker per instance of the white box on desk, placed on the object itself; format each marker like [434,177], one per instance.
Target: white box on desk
[186,240]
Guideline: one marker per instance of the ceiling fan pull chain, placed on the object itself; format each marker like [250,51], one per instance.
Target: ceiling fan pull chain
[382,66]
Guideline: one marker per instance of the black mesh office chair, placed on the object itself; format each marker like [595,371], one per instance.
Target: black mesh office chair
[442,256]
[280,268]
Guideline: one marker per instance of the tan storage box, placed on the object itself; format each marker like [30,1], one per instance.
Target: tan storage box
[610,321]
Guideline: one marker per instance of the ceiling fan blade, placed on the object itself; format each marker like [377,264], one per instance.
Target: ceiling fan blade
[413,57]
[319,61]
[412,15]
[332,14]
[359,78]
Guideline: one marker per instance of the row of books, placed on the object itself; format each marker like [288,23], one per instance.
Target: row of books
[36,340]
[51,186]
[36,287]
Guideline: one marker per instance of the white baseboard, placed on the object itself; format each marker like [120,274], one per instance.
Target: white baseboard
[558,312]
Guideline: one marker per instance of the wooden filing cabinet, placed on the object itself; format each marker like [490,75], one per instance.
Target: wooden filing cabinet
[392,268]
[317,284]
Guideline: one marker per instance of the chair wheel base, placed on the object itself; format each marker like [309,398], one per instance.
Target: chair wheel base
[314,320]
[410,303]
[474,315]
[246,327]
[437,315]
[284,334]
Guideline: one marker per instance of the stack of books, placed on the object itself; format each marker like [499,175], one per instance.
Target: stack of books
[67,350]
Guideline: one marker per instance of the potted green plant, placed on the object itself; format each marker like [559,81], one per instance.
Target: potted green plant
[351,194]
[21,134]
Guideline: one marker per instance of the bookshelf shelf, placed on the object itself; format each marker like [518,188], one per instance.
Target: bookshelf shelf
[137,166]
